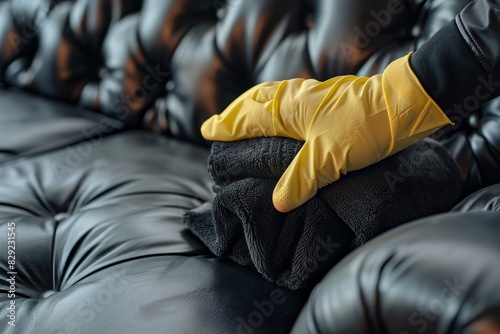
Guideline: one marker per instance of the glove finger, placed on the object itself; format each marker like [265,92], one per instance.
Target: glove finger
[249,116]
[298,183]
[313,167]
[242,120]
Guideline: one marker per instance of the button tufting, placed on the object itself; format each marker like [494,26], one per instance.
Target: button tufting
[103,72]
[61,216]
[474,121]
[416,31]
[46,294]
[170,86]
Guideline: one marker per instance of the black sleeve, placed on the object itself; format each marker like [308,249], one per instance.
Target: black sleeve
[458,65]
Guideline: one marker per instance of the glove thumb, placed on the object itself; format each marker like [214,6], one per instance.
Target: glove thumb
[299,182]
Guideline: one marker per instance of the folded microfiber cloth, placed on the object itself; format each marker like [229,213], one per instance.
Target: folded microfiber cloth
[296,249]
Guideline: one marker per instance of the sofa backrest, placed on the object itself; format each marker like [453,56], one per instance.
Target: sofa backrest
[169,64]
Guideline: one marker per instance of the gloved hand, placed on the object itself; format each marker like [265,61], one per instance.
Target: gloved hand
[347,123]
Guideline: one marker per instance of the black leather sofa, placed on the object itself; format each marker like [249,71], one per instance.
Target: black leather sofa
[101,156]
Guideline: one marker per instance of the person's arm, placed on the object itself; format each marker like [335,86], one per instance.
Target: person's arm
[347,123]
[351,122]
[459,65]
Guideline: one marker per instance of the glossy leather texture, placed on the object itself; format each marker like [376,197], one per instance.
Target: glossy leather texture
[479,140]
[169,64]
[102,248]
[433,276]
[31,124]
[487,199]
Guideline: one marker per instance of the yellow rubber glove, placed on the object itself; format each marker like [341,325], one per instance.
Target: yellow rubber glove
[347,123]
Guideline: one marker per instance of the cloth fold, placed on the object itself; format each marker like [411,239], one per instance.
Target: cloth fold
[296,249]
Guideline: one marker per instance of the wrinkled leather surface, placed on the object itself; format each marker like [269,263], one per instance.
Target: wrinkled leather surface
[478,139]
[476,150]
[487,199]
[434,276]
[480,34]
[101,246]
[30,124]
[169,64]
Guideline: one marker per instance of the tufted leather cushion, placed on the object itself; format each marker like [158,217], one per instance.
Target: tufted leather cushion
[213,50]
[101,247]
[280,39]
[476,148]
[412,280]
[169,64]
[31,124]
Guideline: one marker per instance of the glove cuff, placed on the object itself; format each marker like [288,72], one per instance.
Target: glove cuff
[413,114]
[448,69]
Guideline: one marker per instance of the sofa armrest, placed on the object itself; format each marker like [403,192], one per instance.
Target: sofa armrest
[432,276]
[487,199]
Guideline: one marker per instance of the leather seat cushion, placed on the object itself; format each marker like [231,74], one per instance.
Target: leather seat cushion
[435,275]
[31,124]
[103,246]
[486,199]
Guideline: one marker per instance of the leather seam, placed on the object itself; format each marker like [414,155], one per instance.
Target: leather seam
[476,50]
